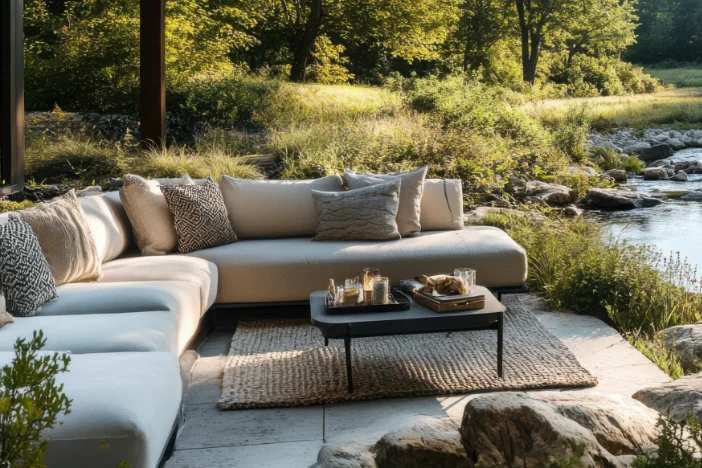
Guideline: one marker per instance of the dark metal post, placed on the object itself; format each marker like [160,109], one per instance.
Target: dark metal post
[349,371]
[153,72]
[11,97]
[500,342]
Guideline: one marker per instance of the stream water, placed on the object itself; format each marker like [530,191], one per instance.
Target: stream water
[673,226]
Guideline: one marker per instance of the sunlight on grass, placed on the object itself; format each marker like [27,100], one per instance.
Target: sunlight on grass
[309,104]
[680,77]
[678,108]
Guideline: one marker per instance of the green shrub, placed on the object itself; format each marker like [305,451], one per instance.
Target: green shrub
[634,288]
[633,164]
[572,133]
[606,158]
[30,402]
[653,347]
[678,446]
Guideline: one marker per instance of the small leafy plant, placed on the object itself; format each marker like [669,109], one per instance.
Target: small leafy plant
[30,402]
[678,446]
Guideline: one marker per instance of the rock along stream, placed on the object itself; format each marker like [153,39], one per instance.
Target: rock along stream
[673,226]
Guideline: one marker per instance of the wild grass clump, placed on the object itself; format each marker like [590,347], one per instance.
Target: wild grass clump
[175,161]
[72,159]
[634,288]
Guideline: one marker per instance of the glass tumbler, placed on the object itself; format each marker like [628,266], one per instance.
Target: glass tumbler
[468,275]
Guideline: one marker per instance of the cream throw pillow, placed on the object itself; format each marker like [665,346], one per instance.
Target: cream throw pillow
[408,215]
[65,239]
[442,205]
[363,214]
[265,209]
[148,212]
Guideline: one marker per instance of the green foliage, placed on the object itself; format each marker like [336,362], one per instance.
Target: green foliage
[633,164]
[572,134]
[6,206]
[678,446]
[72,160]
[653,347]
[634,288]
[84,55]
[30,402]
[328,63]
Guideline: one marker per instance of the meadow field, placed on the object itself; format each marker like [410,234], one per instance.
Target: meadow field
[681,77]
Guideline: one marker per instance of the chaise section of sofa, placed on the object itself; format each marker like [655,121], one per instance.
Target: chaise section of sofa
[282,270]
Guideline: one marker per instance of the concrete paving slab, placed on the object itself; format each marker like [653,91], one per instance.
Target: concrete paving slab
[282,455]
[206,426]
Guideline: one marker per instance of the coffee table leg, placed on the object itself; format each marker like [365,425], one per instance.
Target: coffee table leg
[326,341]
[500,336]
[349,377]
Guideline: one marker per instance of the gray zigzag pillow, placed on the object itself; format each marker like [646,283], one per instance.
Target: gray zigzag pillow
[25,276]
[200,216]
[363,214]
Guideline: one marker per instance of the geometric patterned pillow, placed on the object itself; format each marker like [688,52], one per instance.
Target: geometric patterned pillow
[200,216]
[25,276]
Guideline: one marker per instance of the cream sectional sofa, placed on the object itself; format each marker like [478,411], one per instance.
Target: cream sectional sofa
[128,331]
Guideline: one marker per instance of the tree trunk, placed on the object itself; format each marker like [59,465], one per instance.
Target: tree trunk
[524,36]
[304,46]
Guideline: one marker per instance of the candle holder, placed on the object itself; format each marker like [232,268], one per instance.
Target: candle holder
[381,290]
[369,274]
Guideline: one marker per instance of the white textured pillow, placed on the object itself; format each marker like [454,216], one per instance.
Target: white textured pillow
[148,213]
[442,205]
[411,189]
[5,316]
[265,209]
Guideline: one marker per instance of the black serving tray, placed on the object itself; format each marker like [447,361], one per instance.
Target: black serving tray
[400,303]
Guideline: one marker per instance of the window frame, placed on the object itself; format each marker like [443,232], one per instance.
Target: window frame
[12,97]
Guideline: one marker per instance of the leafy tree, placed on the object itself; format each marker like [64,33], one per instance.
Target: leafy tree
[30,402]
[407,30]
[84,54]
[483,24]
[599,27]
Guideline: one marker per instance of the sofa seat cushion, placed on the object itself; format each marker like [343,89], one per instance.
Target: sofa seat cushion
[104,333]
[290,269]
[124,406]
[127,296]
[166,268]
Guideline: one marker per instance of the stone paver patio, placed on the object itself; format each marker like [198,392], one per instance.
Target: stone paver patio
[292,437]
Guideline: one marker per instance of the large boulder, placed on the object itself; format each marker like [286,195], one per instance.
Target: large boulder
[655,173]
[652,153]
[686,340]
[676,143]
[519,429]
[551,194]
[424,442]
[345,455]
[677,400]
[618,175]
[615,199]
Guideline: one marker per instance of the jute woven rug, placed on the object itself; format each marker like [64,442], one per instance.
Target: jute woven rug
[277,363]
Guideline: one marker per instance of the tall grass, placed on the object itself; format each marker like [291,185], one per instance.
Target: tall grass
[635,289]
[678,108]
[681,77]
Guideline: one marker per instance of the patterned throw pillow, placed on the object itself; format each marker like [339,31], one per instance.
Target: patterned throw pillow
[363,214]
[25,276]
[200,216]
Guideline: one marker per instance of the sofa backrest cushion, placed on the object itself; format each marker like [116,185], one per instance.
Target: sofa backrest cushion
[442,205]
[108,224]
[265,209]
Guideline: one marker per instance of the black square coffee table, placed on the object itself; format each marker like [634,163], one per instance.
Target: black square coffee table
[418,319]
